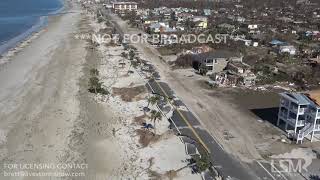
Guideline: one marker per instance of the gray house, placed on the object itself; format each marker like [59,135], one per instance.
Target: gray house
[301,113]
[214,61]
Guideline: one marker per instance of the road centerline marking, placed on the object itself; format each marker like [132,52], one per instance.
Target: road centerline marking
[184,119]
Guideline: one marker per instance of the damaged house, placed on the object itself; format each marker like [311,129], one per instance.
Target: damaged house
[225,68]
[235,74]
[215,61]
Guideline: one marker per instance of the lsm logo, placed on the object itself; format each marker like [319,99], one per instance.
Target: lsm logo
[296,161]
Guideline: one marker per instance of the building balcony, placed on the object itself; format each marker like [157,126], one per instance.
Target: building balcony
[314,115]
[294,109]
[291,121]
[302,110]
[285,103]
[301,123]
[283,114]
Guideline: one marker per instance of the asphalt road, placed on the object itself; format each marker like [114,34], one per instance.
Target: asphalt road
[227,165]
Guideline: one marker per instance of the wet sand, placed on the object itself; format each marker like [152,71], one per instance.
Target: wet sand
[39,104]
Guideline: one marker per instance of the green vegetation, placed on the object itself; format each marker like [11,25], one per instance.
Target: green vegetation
[132,54]
[124,55]
[203,163]
[132,17]
[94,72]
[155,115]
[95,86]
[153,100]
[134,64]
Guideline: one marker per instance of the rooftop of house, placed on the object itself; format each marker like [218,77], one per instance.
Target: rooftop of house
[124,3]
[277,42]
[287,47]
[239,65]
[217,54]
[298,98]
[311,98]
[184,14]
[315,96]
[226,25]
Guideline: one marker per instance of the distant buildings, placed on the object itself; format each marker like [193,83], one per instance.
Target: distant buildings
[301,114]
[199,49]
[291,50]
[200,22]
[283,47]
[227,26]
[184,16]
[207,12]
[124,6]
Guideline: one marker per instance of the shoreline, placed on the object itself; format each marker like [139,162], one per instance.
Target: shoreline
[39,103]
[15,44]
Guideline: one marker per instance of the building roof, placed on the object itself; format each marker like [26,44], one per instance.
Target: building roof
[276,42]
[239,65]
[226,25]
[124,2]
[312,98]
[217,54]
[296,97]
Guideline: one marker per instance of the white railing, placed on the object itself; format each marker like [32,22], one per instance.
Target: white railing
[317,127]
[300,137]
[305,131]
[302,110]
[301,122]
[313,115]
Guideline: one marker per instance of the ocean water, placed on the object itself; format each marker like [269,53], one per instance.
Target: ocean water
[19,18]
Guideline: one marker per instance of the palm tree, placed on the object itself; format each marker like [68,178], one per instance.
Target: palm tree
[95,84]
[131,54]
[153,100]
[155,115]
[94,72]
[124,55]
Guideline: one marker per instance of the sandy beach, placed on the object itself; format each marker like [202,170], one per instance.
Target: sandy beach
[38,102]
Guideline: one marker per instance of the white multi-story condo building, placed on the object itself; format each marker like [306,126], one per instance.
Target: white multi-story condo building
[124,6]
[301,114]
